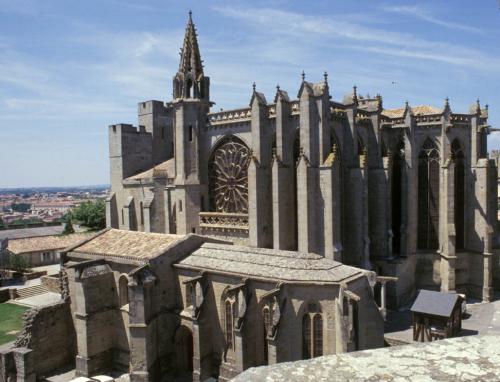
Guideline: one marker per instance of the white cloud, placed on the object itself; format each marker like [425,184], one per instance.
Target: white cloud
[323,30]
[418,12]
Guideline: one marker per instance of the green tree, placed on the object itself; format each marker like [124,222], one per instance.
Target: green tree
[68,227]
[20,207]
[17,263]
[91,214]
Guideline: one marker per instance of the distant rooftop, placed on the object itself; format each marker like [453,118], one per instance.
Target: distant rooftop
[128,244]
[472,358]
[417,110]
[31,232]
[162,170]
[269,263]
[46,243]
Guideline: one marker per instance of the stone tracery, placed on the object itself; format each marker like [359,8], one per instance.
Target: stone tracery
[228,170]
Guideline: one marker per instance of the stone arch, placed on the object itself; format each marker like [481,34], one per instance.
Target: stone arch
[459,193]
[228,176]
[190,86]
[428,196]
[312,329]
[266,324]
[123,290]
[227,319]
[184,350]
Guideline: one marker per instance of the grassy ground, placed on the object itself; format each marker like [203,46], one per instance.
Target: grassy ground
[11,321]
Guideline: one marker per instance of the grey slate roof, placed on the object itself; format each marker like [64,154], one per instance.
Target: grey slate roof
[269,263]
[435,303]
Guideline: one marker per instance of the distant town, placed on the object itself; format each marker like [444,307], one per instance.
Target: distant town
[43,205]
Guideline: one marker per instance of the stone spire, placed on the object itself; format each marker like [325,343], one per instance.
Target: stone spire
[190,53]
[190,82]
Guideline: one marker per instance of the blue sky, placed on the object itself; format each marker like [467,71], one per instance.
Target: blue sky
[68,69]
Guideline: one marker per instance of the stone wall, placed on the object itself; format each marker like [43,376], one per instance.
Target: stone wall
[52,283]
[49,337]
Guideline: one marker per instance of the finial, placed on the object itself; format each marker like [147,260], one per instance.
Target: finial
[278,87]
[355,94]
[407,104]
[478,106]
[486,107]
[190,15]
[303,76]
[325,76]
[447,102]
[253,86]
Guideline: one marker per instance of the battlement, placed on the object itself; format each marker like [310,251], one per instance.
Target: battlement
[125,128]
[151,107]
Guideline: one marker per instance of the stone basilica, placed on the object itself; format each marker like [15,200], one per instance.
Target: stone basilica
[407,192]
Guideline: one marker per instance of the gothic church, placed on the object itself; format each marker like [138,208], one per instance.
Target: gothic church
[406,192]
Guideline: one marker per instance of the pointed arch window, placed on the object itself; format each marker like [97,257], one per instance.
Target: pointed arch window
[266,318]
[312,332]
[428,196]
[123,290]
[306,337]
[228,318]
[317,335]
[459,188]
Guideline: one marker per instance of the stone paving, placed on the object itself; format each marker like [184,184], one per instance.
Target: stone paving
[44,299]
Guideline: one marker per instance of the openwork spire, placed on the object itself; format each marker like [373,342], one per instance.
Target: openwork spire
[190,53]
[190,82]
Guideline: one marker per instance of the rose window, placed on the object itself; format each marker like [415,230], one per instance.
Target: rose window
[228,177]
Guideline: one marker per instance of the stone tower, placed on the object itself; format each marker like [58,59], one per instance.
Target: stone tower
[191,105]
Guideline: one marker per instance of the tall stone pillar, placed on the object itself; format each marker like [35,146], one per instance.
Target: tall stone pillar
[272,351]
[315,146]
[488,266]
[259,176]
[238,350]
[306,211]
[283,179]
[366,264]
[447,234]
[387,163]
[141,348]
[196,351]
[331,246]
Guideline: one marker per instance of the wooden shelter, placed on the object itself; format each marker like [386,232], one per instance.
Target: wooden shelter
[436,315]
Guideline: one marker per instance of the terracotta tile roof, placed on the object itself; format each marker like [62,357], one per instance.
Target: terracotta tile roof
[162,170]
[417,110]
[128,244]
[46,243]
[269,263]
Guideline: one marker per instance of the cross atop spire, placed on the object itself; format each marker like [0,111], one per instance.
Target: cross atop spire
[190,52]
